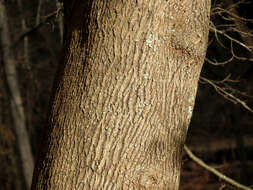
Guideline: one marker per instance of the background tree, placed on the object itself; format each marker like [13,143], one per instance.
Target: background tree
[17,108]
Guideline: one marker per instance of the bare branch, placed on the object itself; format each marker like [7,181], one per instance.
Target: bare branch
[221,10]
[226,94]
[216,63]
[237,57]
[214,171]
[44,19]
[214,29]
[241,32]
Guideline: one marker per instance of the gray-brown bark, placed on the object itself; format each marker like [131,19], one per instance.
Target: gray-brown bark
[17,109]
[125,94]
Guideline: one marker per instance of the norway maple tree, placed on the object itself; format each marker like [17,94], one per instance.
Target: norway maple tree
[124,95]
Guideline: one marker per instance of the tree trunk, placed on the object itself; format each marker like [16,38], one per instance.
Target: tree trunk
[60,20]
[124,96]
[38,13]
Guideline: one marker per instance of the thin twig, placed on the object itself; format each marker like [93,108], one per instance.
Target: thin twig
[221,10]
[227,95]
[215,30]
[214,171]
[35,28]
[237,57]
[216,63]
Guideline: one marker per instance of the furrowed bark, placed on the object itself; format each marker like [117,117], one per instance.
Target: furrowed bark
[125,94]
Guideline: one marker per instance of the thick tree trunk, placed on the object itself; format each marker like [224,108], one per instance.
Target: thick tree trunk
[125,94]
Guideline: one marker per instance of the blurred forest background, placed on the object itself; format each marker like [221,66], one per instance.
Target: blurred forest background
[221,131]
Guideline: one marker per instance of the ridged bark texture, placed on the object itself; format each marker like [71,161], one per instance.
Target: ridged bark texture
[125,94]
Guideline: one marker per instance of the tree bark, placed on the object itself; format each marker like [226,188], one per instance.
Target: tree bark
[125,94]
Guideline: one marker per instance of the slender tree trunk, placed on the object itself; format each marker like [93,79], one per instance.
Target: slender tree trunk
[38,13]
[16,101]
[60,21]
[24,29]
[26,64]
[125,94]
